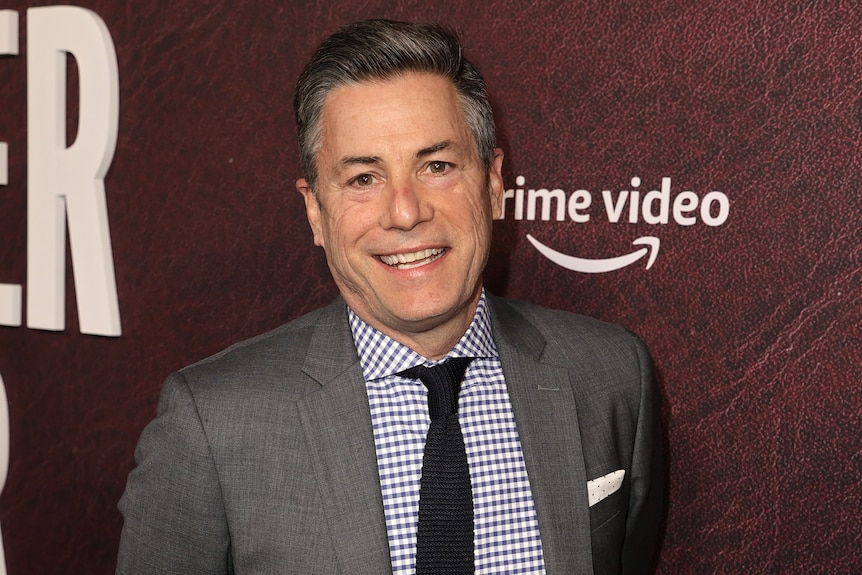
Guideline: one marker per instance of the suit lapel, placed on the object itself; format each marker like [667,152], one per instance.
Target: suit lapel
[336,421]
[546,415]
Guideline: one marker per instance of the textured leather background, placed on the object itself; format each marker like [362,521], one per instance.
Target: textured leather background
[754,325]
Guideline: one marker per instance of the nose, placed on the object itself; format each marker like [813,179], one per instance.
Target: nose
[405,207]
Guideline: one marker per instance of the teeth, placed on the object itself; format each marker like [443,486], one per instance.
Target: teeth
[399,259]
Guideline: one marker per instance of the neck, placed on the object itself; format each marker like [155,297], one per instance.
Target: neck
[433,344]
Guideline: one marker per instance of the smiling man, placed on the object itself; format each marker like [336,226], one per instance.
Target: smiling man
[418,424]
[403,207]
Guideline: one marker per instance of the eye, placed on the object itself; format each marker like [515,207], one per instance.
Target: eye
[437,167]
[362,180]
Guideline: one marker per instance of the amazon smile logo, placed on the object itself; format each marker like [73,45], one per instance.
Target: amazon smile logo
[656,207]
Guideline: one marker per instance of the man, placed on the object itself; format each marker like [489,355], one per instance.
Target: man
[301,451]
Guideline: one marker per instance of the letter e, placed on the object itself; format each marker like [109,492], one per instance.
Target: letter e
[684,203]
[580,200]
[10,294]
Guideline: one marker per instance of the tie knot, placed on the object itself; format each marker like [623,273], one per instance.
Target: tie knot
[443,382]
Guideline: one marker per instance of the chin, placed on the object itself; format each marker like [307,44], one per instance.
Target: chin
[427,312]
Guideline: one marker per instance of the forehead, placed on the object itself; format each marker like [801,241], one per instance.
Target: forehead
[411,109]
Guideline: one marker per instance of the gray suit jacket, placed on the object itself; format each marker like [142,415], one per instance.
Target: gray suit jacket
[262,460]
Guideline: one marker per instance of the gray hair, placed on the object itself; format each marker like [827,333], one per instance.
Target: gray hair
[381,50]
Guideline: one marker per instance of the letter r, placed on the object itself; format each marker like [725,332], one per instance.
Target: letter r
[67,184]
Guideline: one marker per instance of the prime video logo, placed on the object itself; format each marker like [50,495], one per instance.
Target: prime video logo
[655,206]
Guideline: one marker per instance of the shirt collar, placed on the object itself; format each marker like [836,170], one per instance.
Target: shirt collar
[381,356]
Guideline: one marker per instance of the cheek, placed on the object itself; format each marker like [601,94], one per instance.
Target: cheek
[481,220]
[332,237]
[342,235]
[484,231]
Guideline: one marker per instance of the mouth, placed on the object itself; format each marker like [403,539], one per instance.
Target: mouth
[413,260]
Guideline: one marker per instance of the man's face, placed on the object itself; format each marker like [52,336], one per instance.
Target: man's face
[404,207]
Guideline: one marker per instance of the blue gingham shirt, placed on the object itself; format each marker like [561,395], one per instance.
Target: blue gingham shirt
[506,532]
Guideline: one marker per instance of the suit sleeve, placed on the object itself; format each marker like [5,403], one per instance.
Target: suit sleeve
[174,517]
[646,495]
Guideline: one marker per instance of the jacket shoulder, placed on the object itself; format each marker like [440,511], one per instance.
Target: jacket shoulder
[265,359]
[564,329]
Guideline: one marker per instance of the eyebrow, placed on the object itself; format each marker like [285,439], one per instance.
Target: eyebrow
[358,160]
[434,148]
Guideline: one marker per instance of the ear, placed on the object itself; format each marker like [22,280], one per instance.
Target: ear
[495,184]
[312,210]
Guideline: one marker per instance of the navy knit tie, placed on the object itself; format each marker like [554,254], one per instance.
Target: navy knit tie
[444,540]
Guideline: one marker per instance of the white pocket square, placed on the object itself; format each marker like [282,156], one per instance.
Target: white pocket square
[599,488]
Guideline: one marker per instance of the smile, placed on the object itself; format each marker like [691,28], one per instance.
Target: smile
[413,260]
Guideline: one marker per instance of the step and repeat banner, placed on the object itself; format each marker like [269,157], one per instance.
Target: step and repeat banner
[689,170]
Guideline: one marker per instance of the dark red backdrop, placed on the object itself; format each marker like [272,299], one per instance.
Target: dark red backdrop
[754,324]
